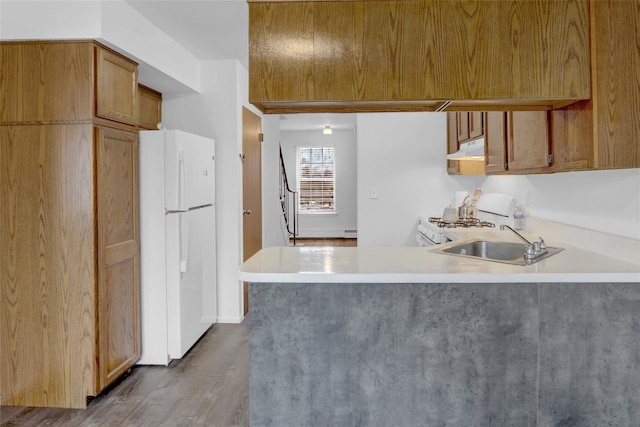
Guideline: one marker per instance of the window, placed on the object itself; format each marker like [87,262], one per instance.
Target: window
[316,179]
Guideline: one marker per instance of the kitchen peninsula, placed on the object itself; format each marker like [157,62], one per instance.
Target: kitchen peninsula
[410,337]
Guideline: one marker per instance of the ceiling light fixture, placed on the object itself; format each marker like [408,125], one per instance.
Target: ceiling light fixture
[327,130]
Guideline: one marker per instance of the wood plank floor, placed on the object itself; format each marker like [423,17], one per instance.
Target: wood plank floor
[326,242]
[207,387]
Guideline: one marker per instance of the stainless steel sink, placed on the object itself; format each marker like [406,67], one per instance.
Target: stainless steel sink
[506,252]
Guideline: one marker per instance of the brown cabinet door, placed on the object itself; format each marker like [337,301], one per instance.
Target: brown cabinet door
[528,141]
[276,75]
[118,253]
[463,126]
[116,87]
[571,134]
[453,167]
[476,124]
[149,108]
[496,143]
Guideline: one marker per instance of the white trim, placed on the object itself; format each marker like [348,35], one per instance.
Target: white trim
[230,319]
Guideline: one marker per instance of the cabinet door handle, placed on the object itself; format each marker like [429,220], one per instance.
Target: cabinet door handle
[246,212]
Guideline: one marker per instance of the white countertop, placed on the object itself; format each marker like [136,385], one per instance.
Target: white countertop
[421,265]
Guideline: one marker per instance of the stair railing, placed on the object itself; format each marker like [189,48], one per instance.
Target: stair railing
[289,202]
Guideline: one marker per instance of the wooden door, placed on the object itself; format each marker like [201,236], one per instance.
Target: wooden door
[463,126]
[496,143]
[149,108]
[251,189]
[116,87]
[528,140]
[476,124]
[453,167]
[118,253]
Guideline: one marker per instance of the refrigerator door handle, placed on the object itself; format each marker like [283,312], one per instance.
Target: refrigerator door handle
[182,183]
[184,236]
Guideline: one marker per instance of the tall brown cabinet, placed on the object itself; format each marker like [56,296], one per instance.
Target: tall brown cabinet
[69,264]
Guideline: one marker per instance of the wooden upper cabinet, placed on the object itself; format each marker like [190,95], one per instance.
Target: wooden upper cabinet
[495,143]
[458,132]
[116,87]
[462,118]
[383,55]
[476,124]
[470,125]
[517,142]
[453,167]
[46,82]
[527,141]
[149,108]
[281,51]
[615,40]
[604,132]
[66,82]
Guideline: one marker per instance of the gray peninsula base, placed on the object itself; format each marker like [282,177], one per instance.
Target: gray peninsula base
[522,354]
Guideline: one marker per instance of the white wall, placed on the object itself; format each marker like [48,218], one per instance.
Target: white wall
[413,181]
[402,155]
[163,64]
[606,200]
[273,232]
[345,218]
[40,20]
[216,112]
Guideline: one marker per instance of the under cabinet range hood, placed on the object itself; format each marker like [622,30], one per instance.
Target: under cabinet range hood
[472,150]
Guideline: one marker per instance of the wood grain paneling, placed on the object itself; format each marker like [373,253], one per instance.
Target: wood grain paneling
[572,137]
[463,126]
[117,184]
[118,252]
[453,167]
[616,44]
[68,223]
[46,82]
[149,108]
[496,143]
[603,133]
[119,306]
[372,54]
[527,141]
[476,124]
[116,87]
[47,274]
[281,51]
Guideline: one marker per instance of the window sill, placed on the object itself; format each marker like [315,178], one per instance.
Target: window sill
[317,213]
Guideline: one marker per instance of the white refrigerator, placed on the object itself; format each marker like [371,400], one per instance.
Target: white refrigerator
[177,242]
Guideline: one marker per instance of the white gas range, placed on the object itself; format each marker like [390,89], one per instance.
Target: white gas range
[433,231]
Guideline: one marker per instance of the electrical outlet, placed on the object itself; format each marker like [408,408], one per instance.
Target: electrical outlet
[374,193]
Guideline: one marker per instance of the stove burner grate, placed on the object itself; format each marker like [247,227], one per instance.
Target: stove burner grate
[461,223]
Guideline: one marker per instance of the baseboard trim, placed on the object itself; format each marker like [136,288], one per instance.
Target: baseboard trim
[230,319]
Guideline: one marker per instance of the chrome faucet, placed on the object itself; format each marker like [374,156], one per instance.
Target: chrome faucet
[534,249]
